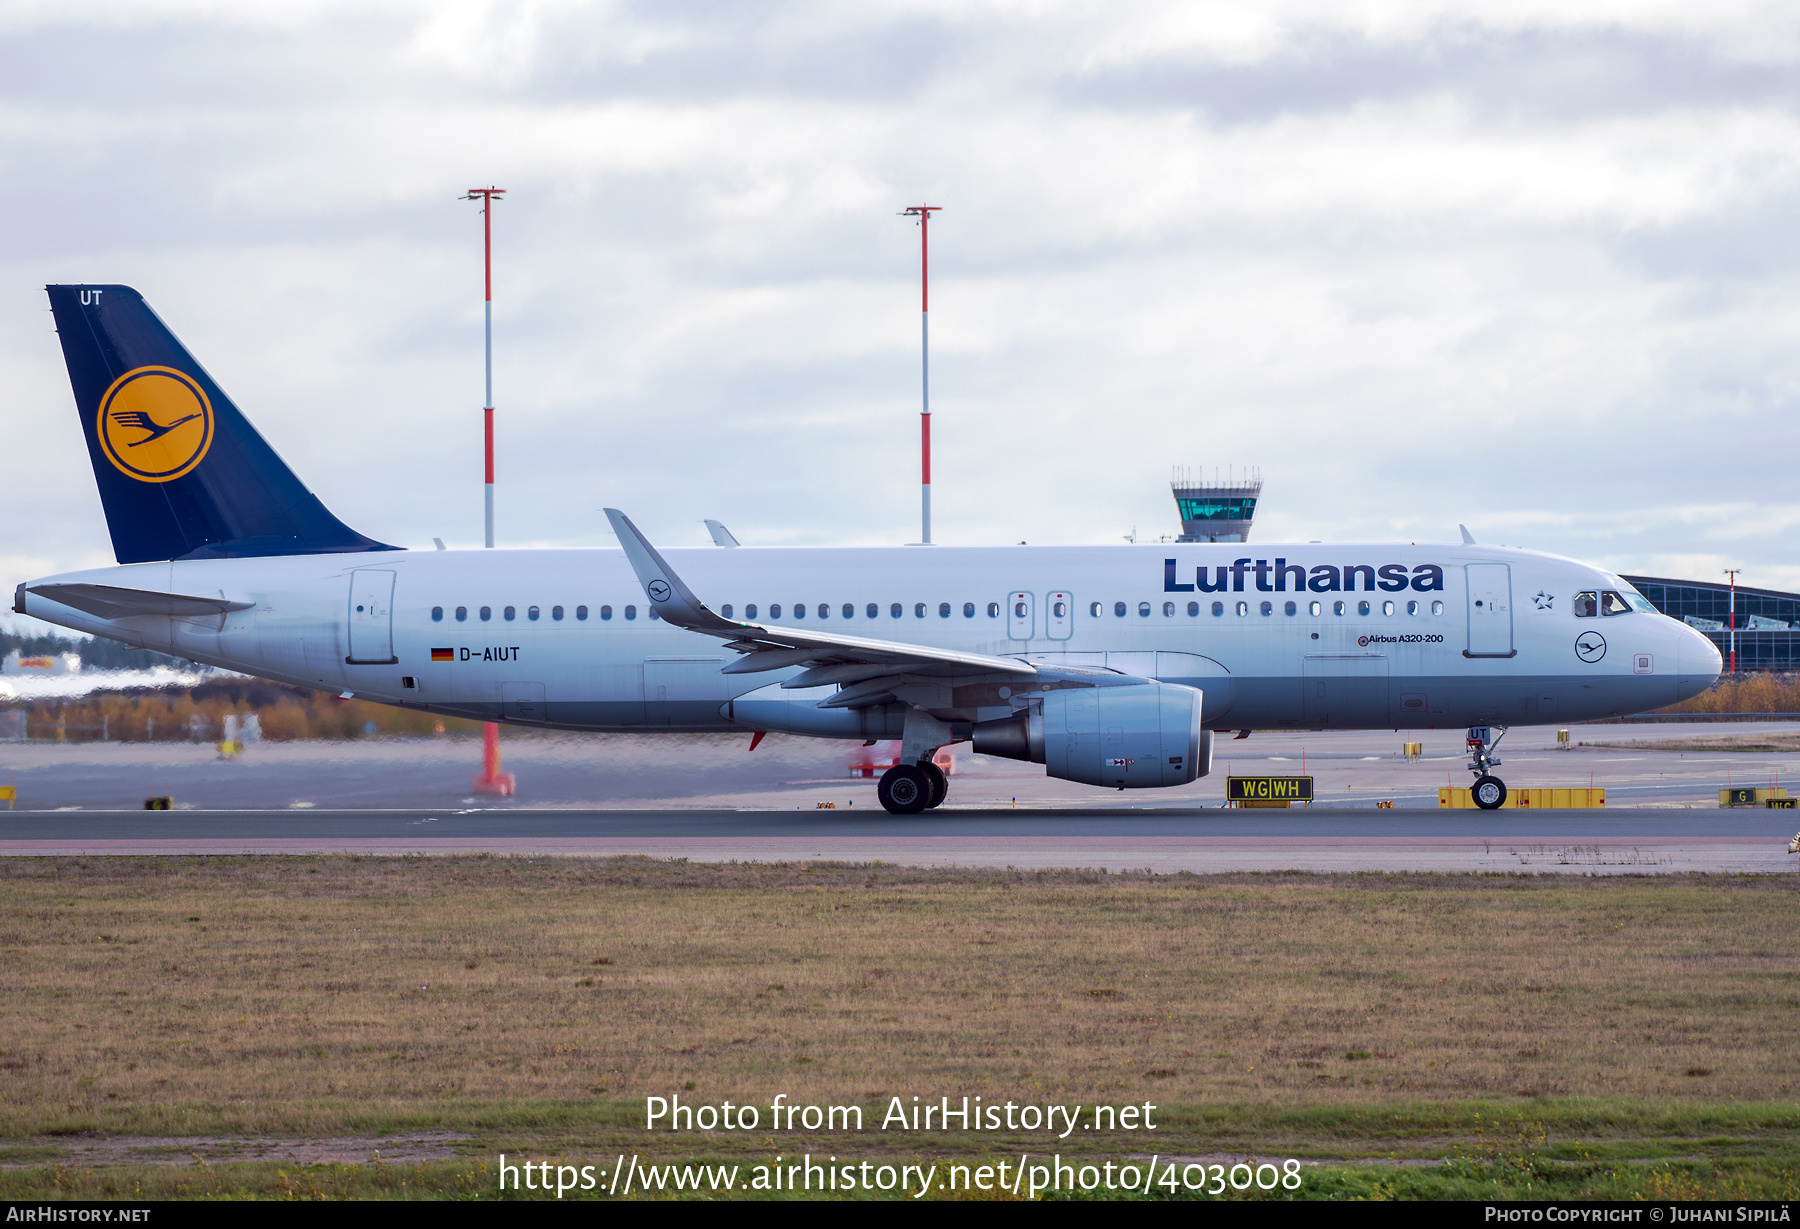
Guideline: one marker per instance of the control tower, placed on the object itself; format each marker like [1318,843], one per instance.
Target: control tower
[1217,511]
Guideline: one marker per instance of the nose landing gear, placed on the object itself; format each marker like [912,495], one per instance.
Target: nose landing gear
[1489,791]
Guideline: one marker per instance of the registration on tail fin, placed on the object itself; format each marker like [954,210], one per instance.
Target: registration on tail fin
[182,473]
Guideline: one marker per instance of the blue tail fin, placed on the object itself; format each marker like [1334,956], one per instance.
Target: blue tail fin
[182,474]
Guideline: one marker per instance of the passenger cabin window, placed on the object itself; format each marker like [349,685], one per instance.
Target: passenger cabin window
[631,612]
[1586,604]
[1412,608]
[510,613]
[1243,609]
[1362,608]
[750,611]
[1437,608]
[532,613]
[799,610]
[775,610]
[896,610]
[994,610]
[1168,610]
[1059,609]
[1143,610]
[918,610]
[1094,610]
[606,612]
[874,611]
[1193,610]
[1337,608]
[849,610]
[1268,608]
[581,613]
[1118,610]
[968,610]
[1315,609]
[725,611]
[437,614]
[487,612]
[1387,608]
[556,613]
[462,614]
[1218,609]
[1612,604]
[943,610]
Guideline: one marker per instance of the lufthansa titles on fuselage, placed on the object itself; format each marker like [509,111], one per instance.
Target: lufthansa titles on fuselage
[1319,578]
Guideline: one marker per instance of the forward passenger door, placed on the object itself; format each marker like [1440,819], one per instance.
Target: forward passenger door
[1490,610]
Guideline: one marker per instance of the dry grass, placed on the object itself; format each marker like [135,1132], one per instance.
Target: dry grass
[176,714]
[1745,693]
[318,995]
[1756,743]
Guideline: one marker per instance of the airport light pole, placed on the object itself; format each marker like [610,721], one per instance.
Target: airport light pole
[923,213]
[1733,574]
[491,780]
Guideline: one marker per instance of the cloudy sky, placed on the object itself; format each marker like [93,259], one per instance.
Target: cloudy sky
[1530,267]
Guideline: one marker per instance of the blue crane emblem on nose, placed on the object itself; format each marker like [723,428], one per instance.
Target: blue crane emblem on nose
[659,590]
[1590,646]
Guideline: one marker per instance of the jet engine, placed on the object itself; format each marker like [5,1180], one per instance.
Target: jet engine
[1137,736]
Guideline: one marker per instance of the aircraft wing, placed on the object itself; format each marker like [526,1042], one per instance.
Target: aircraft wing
[831,658]
[112,602]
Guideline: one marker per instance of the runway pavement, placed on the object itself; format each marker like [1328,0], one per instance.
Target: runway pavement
[1203,841]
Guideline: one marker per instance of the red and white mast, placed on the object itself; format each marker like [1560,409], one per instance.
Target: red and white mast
[491,780]
[923,213]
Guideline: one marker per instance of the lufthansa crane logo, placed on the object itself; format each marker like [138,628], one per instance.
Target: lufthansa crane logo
[659,591]
[155,424]
[1590,646]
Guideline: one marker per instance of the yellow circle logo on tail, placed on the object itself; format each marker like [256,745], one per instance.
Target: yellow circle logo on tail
[155,424]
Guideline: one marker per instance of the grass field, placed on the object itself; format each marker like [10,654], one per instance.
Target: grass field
[1552,1035]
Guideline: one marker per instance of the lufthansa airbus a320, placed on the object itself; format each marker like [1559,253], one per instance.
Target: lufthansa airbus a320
[1111,666]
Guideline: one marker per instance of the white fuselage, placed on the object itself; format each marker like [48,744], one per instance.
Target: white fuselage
[1275,654]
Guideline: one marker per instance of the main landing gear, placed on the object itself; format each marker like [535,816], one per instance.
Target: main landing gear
[907,789]
[1489,791]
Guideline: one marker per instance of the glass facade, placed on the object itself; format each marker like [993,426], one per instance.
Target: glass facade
[1216,509]
[1772,644]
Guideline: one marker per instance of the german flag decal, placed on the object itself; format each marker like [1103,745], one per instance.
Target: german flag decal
[443,655]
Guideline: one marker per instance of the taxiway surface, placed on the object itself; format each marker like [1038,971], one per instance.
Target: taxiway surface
[706,798]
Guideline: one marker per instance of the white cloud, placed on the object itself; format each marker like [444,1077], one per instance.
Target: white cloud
[1524,267]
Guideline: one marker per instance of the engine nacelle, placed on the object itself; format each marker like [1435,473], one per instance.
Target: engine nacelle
[1134,737]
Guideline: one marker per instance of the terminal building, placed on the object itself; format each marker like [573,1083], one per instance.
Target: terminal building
[1768,638]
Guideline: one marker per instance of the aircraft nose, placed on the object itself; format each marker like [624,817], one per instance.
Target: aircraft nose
[1698,662]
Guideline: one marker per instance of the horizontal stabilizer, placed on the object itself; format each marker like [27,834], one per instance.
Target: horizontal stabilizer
[111,602]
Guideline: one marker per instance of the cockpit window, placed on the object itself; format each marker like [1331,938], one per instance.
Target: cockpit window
[1586,604]
[1612,604]
[1641,603]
